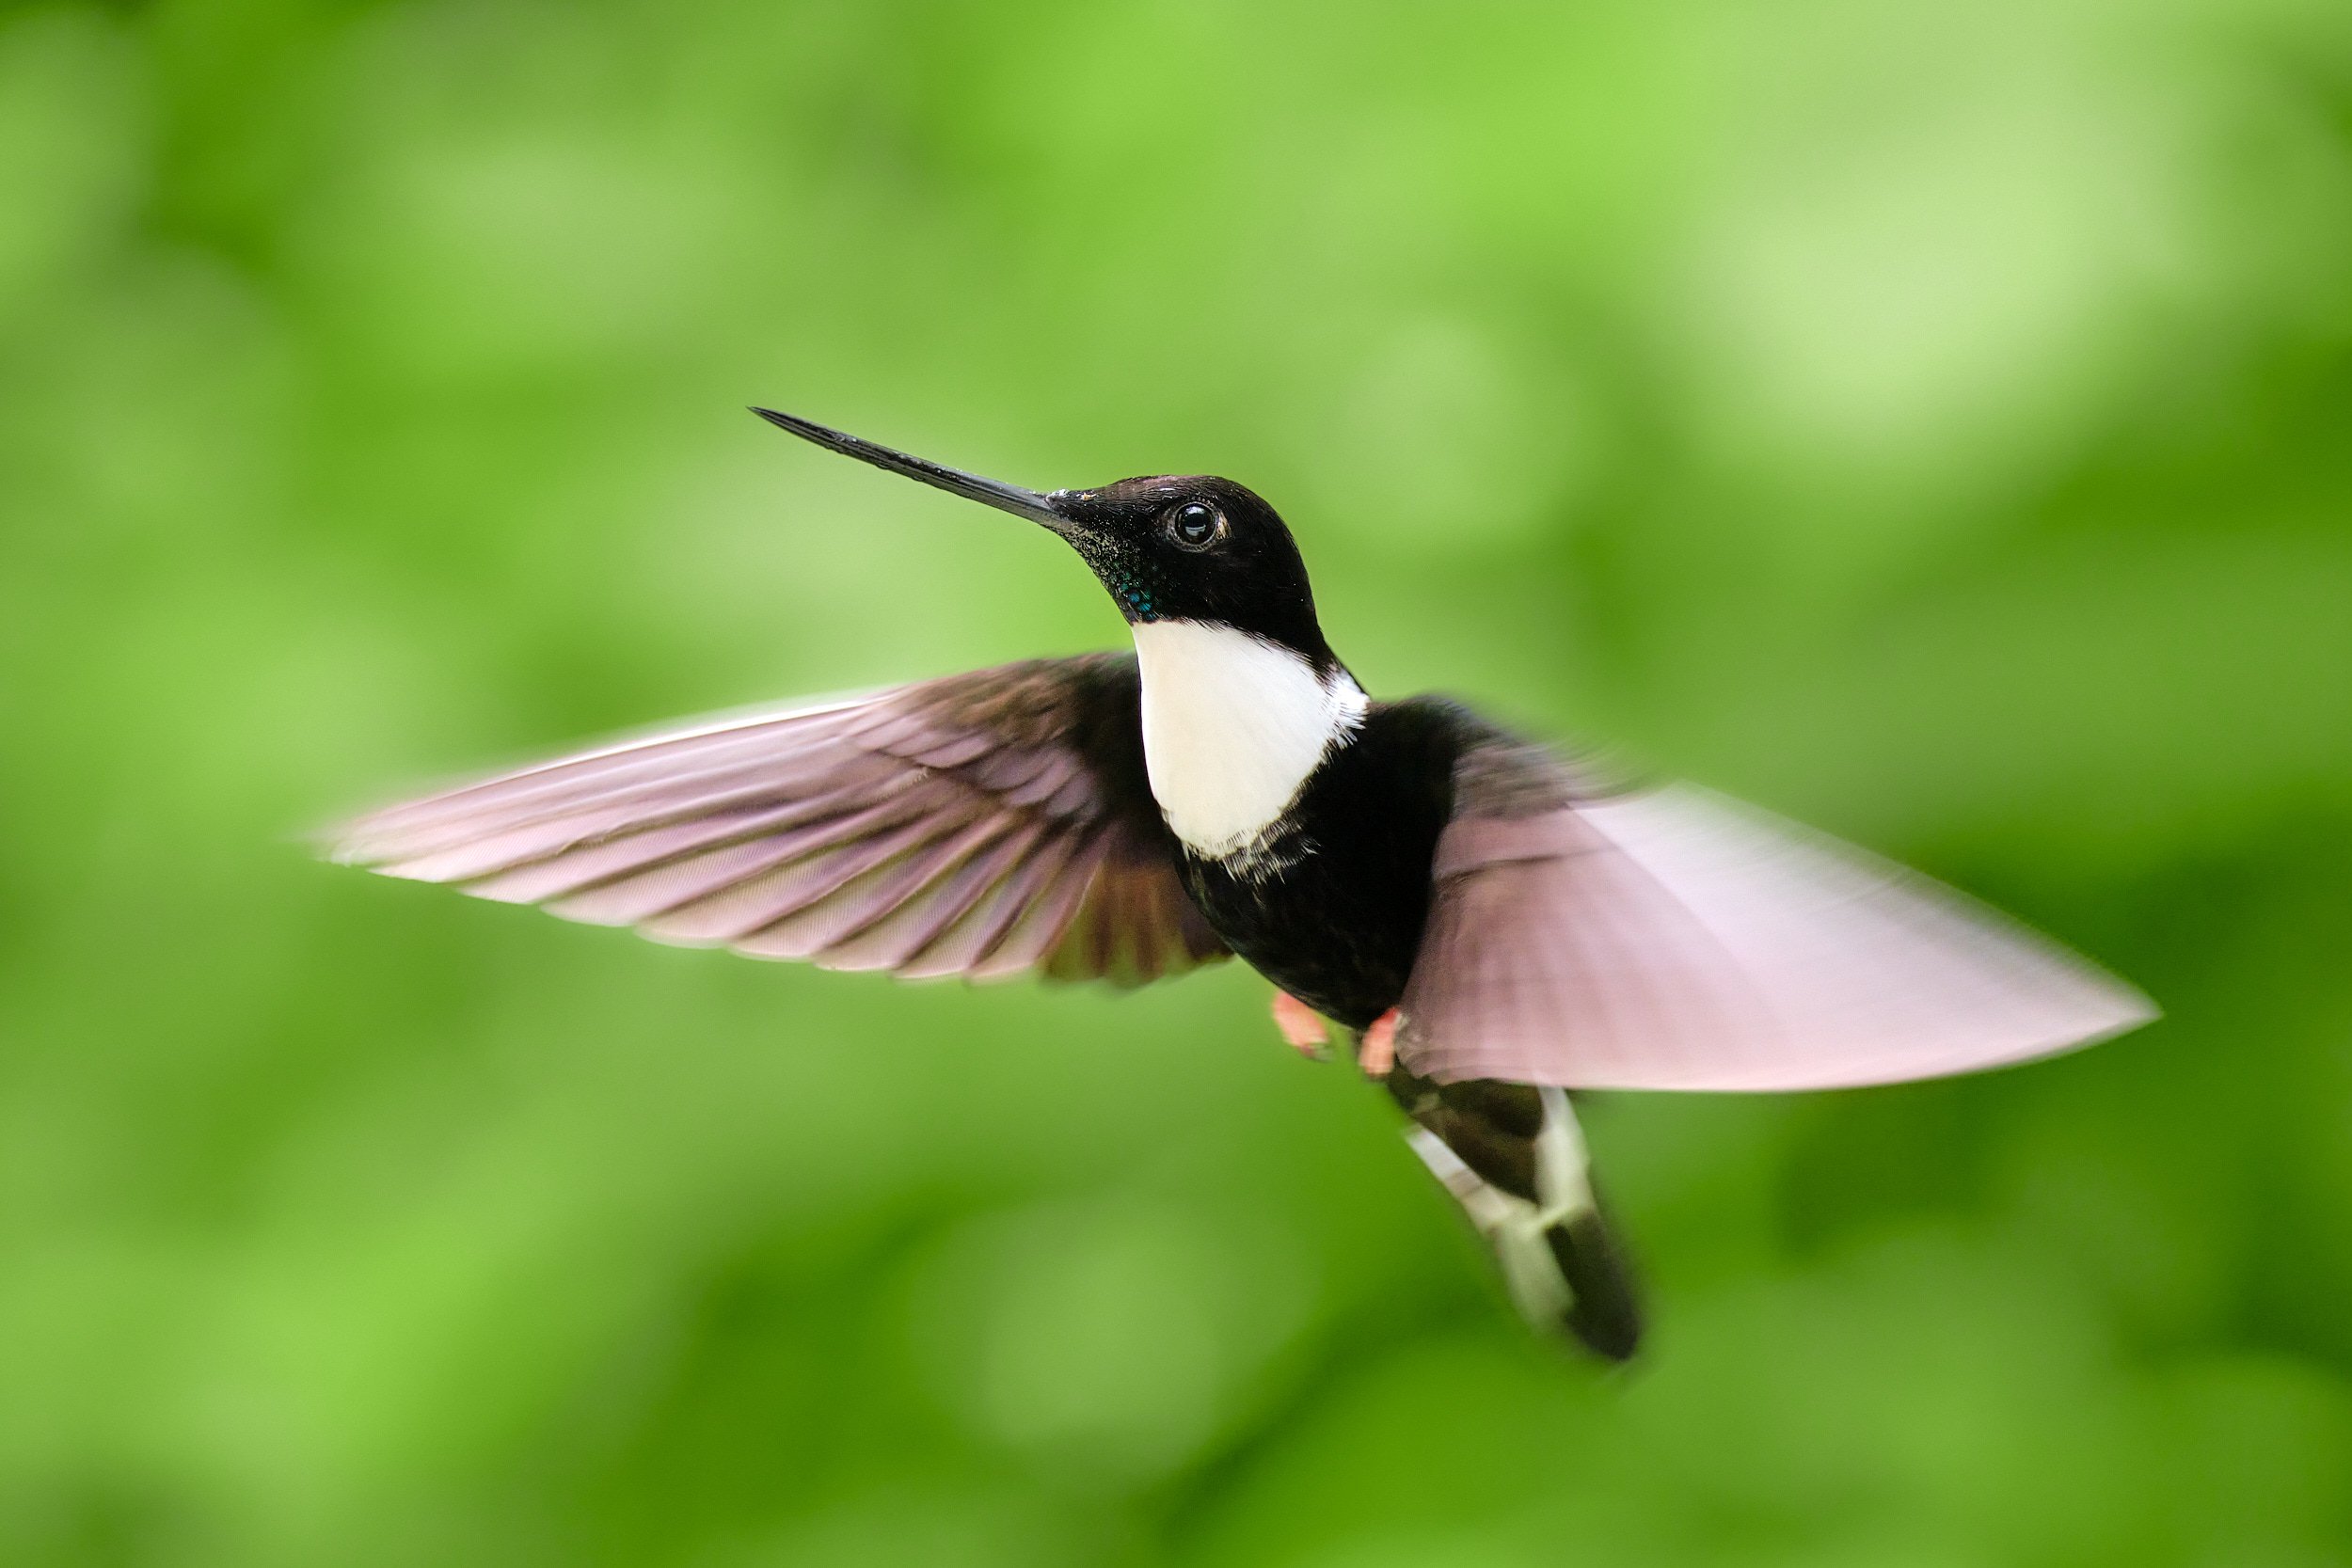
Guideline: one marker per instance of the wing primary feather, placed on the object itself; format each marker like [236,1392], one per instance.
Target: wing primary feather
[735,912]
[567,782]
[866,898]
[674,882]
[993,911]
[1034,931]
[801,780]
[623,856]
[894,941]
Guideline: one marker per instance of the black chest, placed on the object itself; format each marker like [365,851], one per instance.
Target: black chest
[1332,908]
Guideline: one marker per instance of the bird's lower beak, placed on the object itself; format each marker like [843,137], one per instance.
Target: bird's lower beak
[1005,498]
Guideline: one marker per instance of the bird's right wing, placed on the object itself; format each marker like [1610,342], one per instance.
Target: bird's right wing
[980,825]
[1672,939]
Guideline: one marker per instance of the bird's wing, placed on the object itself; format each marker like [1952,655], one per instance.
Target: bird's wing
[981,825]
[1672,939]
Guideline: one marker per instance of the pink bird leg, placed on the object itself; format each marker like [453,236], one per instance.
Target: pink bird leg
[1298,1023]
[1376,1052]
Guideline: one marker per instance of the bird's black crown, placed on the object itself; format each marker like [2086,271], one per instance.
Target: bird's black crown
[1193,548]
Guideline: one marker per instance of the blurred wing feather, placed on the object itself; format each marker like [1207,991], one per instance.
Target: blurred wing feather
[1670,938]
[964,826]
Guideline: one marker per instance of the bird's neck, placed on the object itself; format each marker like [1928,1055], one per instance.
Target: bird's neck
[1234,727]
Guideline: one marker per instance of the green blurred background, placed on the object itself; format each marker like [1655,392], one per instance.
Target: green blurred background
[1931,420]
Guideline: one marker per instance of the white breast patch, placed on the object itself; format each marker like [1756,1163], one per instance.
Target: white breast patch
[1232,727]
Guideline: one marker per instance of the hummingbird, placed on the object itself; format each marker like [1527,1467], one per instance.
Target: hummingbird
[1491,927]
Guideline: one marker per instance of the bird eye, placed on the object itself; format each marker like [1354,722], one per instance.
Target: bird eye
[1194,526]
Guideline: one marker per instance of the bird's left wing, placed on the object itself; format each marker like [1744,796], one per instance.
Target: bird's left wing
[1670,938]
[981,825]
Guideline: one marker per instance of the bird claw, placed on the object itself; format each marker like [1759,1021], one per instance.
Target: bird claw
[1306,1031]
[1376,1054]
[1302,1027]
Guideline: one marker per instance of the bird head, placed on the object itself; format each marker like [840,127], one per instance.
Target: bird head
[1188,548]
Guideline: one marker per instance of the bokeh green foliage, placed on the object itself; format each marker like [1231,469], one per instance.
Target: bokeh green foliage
[1934,420]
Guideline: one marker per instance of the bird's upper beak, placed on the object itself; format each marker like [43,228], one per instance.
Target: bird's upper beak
[1005,498]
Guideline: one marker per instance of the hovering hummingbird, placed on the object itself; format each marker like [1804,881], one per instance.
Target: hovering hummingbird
[1493,925]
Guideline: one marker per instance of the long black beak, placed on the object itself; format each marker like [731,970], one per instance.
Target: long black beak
[1005,498]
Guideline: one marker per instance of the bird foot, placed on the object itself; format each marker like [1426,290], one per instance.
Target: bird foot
[1304,1029]
[1300,1026]
[1376,1052]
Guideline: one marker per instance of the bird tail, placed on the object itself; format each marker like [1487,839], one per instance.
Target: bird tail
[1514,1158]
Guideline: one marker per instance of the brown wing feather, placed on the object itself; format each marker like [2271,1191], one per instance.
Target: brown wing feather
[982,825]
[1670,939]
